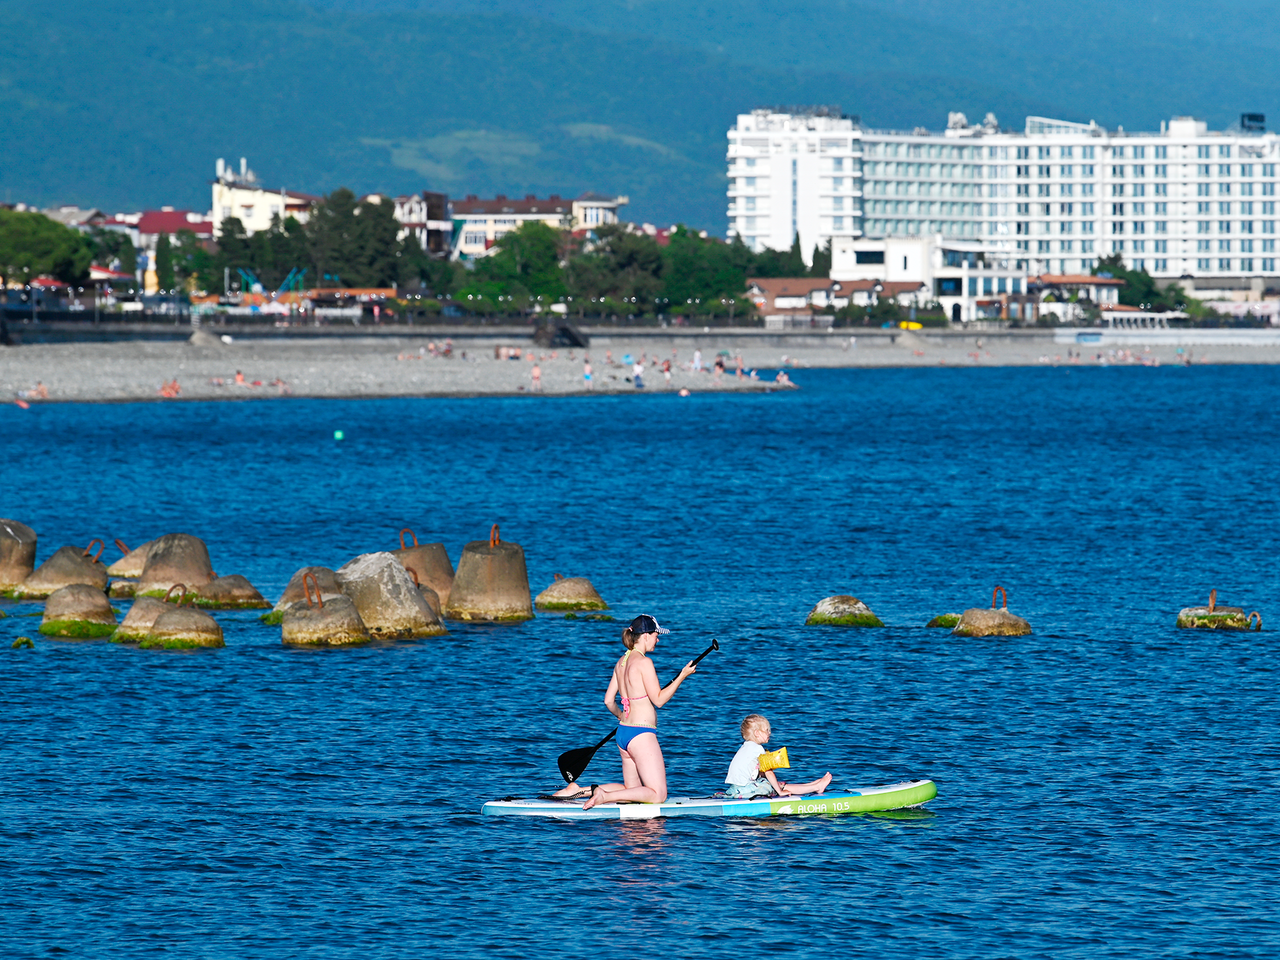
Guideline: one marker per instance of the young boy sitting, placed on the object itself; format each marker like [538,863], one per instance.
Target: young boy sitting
[744,778]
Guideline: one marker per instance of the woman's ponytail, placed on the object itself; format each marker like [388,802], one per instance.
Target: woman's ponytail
[629,638]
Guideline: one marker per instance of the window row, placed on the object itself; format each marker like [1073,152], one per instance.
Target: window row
[926,208]
[952,228]
[1064,246]
[1226,246]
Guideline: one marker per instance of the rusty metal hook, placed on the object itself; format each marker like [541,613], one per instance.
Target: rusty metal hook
[177,586]
[101,546]
[1213,600]
[410,533]
[559,576]
[1250,620]
[1004,596]
[493,536]
[122,546]
[414,573]
[306,588]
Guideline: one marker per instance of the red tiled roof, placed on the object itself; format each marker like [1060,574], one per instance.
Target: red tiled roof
[171,221]
[1069,279]
[790,286]
[500,204]
[891,288]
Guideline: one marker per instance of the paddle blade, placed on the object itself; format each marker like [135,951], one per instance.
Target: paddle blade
[573,763]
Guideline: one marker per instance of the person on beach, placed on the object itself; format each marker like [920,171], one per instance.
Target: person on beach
[635,682]
[745,779]
[586,374]
[637,374]
[537,378]
[666,373]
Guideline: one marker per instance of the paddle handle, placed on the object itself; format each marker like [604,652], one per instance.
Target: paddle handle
[715,645]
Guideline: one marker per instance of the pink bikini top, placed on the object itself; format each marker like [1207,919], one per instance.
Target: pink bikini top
[626,701]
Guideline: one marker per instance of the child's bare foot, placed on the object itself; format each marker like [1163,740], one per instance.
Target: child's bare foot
[823,782]
[595,798]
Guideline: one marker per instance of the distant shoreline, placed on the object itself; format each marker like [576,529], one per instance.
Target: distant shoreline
[402,366]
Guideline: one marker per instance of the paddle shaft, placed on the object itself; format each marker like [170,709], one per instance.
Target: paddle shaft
[573,763]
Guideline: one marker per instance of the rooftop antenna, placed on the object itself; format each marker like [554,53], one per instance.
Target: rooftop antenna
[221,167]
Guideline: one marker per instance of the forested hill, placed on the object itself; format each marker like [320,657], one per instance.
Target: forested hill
[126,105]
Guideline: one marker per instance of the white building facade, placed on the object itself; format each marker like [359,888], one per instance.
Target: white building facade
[242,196]
[1185,201]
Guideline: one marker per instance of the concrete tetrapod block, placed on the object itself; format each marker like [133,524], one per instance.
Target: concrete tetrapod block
[979,622]
[67,566]
[293,592]
[175,558]
[131,565]
[430,561]
[842,611]
[492,583]
[232,592]
[1215,617]
[570,593]
[17,553]
[336,624]
[137,623]
[388,601]
[78,611]
[433,600]
[183,628]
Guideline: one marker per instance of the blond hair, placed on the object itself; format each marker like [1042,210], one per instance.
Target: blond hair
[753,722]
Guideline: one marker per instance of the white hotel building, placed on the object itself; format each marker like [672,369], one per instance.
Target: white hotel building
[1050,199]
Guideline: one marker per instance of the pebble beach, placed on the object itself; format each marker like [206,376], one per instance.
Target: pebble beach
[415,364]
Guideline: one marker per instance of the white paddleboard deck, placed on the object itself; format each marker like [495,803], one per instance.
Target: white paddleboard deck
[895,796]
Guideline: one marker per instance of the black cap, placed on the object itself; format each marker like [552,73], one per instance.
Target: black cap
[646,624]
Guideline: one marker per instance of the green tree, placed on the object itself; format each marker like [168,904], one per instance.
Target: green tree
[192,261]
[530,256]
[164,262]
[113,247]
[618,264]
[775,263]
[700,268]
[332,238]
[821,261]
[32,245]
[378,249]
[1139,288]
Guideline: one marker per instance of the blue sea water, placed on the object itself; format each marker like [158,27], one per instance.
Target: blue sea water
[1106,785]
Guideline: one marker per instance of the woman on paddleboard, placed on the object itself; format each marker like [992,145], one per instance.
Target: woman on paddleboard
[635,683]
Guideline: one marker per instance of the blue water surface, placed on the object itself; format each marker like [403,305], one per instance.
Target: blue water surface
[1106,785]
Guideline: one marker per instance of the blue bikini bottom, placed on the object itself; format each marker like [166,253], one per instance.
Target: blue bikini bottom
[626,734]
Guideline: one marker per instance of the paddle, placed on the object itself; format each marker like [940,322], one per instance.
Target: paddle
[574,762]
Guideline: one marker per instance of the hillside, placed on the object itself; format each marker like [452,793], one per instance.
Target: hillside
[127,105]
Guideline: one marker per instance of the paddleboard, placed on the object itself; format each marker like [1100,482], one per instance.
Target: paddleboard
[894,796]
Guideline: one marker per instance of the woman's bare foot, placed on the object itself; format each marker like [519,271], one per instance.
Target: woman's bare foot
[823,782]
[572,791]
[595,798]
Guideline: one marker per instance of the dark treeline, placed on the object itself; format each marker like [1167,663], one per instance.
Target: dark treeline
[32,245]
[349,243]
[620,272]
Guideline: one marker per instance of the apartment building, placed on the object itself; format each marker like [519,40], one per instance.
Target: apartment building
[484,222]
[1049,199]
[241,195]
